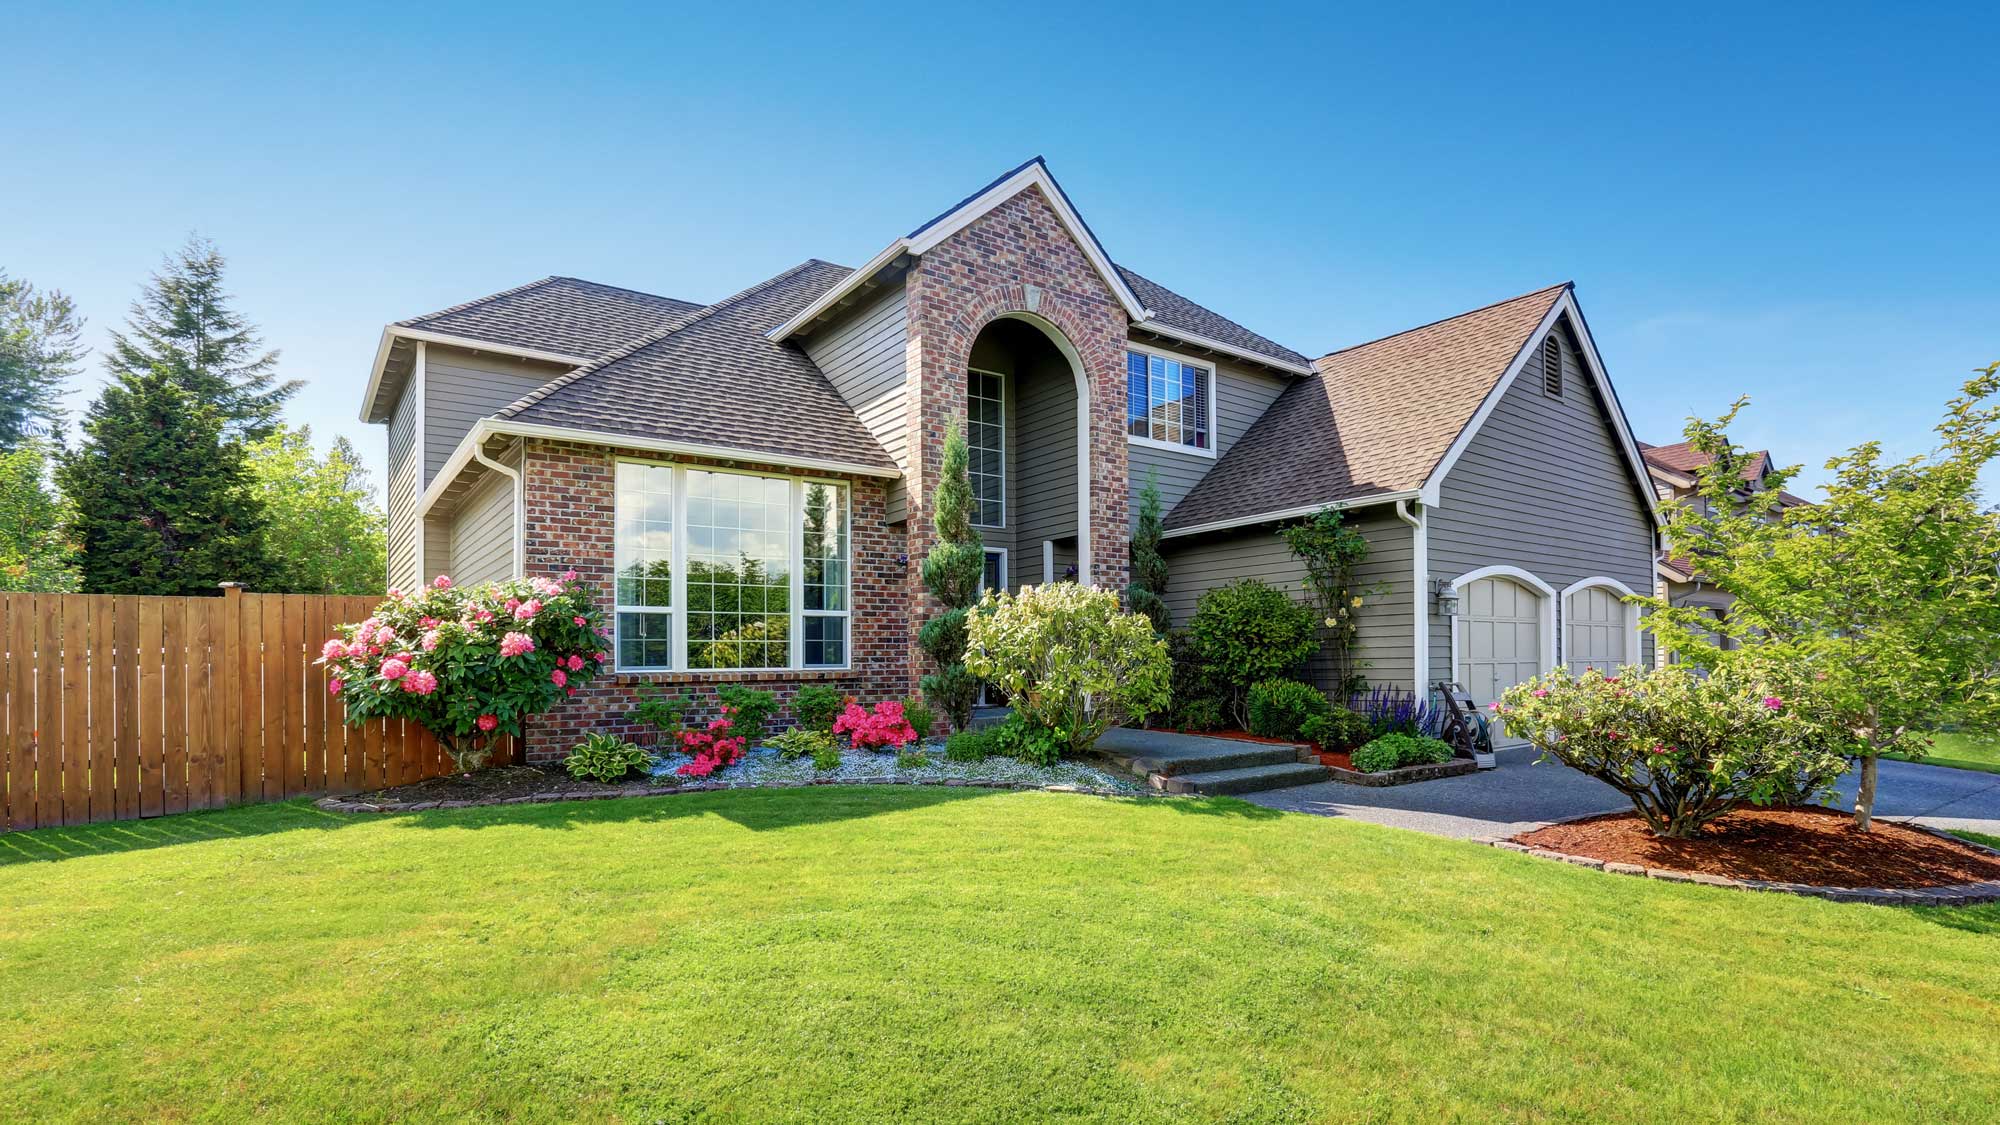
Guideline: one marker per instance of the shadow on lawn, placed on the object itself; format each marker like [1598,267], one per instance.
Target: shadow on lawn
[44,845]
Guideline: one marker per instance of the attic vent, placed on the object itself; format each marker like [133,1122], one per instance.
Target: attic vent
[1552,365]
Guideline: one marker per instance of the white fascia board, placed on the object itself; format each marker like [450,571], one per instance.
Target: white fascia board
[839,292]
[1564,304]
[1197,339]
[488,427]
[394,332]
[1368,501]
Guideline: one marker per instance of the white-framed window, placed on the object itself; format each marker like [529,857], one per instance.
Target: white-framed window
[1169,402]
[986,437]
[724,570]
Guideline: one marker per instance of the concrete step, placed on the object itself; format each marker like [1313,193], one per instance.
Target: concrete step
[1245,779]
[1221,756]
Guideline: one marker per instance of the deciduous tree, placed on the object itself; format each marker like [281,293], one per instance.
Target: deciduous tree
[324,533]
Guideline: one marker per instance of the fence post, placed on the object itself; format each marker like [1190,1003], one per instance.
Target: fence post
[227,699]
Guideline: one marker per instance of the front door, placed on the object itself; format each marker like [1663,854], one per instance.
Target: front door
[1499,638]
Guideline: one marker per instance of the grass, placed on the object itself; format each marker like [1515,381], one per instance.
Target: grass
[1977,751]
[847,954]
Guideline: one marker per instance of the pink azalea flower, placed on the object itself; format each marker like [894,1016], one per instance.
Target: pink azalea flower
[422,683]
[430,622]
[441,582]
[1540,693]
[569,575]
[575,662]
[393,669]
[1773,703]
[569,691]
[395,595]
[488,722]
[527,610]
[516,644]
[558,677]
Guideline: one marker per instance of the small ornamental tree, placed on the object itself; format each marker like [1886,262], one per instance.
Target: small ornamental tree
[1072,663]
[1684,748]
[469,663]
[1149,567]
[1330,550]
[1246,632]
[952,572]
[1886,592]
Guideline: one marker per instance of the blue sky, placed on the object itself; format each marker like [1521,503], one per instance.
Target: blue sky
[1798,204]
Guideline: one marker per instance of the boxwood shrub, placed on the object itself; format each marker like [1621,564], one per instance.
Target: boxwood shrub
[1393,750]
[1280,708]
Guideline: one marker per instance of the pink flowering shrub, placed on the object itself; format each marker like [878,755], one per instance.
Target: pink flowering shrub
[1684,748]
[713,747]
[483,659]
[884,728]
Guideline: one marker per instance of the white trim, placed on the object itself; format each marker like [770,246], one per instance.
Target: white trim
[1548,610]
[1083,416]
[1420,566]
[1005,577]
[1004,380]
[1035,174]
[1214,415]
[1048,561]
[1564,305]
[1294,513]
[420,336]
[418,377]
[1214,345]
[1631,613]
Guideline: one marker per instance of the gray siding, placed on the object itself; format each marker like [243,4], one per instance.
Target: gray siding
[864,358]
[461,387]
[1042,480]
[401,492]
[1544,487]
[1386,643]
[482,532]
[1241,397]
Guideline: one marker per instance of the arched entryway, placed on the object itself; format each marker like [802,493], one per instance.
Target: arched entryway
[1027,421]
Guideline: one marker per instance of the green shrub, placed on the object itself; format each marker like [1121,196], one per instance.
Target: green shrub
[969,746]
[1338,729]
[753,709]
[1195,704]
[911,760]
[1280,708]
[816,706]
[918,715]
[605,757]
[663,710]
[1018,738]
[800,742]
[1393,750]
[1073,664]
[826,758]
[1246,632]
[1199,714]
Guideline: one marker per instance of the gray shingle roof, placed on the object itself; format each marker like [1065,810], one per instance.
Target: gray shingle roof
[1175,311]
[1377,418]
[714,379]
[564,315]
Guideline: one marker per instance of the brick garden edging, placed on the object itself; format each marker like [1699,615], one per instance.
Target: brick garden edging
[1404,775]
[356,805]
[1954,894]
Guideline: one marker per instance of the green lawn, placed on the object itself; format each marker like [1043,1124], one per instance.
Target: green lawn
[1965,751]
[844,954]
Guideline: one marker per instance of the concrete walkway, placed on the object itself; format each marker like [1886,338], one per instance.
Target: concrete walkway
[1522,795]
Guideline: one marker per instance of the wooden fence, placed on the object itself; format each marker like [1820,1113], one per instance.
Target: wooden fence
[119,707]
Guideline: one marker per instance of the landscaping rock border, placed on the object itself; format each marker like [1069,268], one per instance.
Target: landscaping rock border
[1404,775]
[357,805]
[1955,894]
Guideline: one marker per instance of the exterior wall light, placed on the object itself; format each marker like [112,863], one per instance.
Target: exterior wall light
[1444,599]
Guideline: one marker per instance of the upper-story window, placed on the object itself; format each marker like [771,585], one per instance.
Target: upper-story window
[1169,401]
[986,435]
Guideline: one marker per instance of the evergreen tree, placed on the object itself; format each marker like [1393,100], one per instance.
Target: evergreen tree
[182,322]
[40,349]
[324,533]
[161,504]
[1149,567]
[952,572]
[34,555]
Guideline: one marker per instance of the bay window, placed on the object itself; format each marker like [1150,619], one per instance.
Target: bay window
[725,570]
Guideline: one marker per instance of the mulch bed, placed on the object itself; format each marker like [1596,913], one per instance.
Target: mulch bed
[493,783]
[1813,846]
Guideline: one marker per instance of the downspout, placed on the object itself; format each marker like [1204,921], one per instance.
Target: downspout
[1419,578]
[520,497]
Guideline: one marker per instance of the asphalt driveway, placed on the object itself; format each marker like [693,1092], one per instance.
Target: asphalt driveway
[1523,794]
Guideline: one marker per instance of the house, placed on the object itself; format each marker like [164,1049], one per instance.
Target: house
[1675,471]
[748,479]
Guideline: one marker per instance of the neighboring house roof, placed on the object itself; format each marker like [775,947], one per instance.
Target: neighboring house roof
[1379,417]
[565,315]
[1684,461]
[1172,310]
[715,381]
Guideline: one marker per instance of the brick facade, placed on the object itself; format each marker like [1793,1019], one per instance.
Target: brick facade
[1017,259]
[570,523]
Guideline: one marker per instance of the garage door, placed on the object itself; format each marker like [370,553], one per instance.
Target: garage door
[1500,637]
[1598,631]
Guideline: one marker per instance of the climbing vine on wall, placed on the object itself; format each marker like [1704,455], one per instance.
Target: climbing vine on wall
[1330,550]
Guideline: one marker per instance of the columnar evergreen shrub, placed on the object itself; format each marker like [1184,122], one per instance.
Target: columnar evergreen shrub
[1072,662]
[1246,632]
[1149,567]
[951,572]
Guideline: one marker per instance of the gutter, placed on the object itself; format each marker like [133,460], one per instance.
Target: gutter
[520,504]
[1295,513]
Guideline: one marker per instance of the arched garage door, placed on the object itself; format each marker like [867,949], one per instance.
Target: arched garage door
[1598,631]
[1500,641]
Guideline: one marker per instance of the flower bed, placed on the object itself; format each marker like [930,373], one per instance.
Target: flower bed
[765,765]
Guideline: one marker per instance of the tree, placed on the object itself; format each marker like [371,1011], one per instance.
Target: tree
[183,322]
[1886,592]
[323,532]
[40,349]
[161,504]
[1149,567]
[35,557]
[951,571]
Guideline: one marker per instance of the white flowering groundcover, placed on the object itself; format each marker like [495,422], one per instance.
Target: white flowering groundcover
[764,765]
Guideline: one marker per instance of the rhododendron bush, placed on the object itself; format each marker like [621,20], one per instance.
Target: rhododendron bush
[1684,748]
[469,663]
[884,728]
